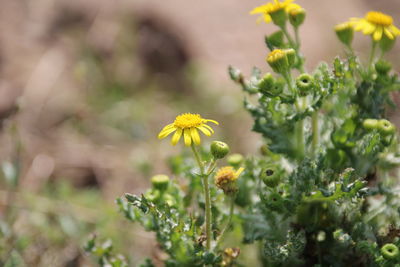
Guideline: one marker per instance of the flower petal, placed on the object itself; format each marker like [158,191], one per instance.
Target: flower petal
[378,33]
[209,128]
[213,121]
[166,131]
[204,130]
[187,137]
[195,136]
[176,136]
[388,33]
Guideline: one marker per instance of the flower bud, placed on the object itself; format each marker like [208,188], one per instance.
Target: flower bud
[279,17]
[305,83]
[160,182]
[385,127]
[345,33]
[271,176]
[152,195]
[269,86]
[275,39]
[383,67]
[225,179]
[386,44]
[235,160]
[390,251]
[219,149]
[297,16]
[370,124]
[281,60]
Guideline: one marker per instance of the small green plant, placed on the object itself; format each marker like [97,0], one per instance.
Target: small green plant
[320,194]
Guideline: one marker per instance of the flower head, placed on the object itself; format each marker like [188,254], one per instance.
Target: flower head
[376,24]
[276,6]
[344,32]
[225,179]
[187,125]
[281,60]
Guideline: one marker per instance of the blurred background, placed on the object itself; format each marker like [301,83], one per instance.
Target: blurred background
[85,87]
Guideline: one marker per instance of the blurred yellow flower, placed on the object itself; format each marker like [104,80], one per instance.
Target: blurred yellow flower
[226,177]
[376,24]
[187,125]
[269,8]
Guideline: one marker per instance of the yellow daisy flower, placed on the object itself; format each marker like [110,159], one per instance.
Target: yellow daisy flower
[187,125]
[269,8]
[376,24]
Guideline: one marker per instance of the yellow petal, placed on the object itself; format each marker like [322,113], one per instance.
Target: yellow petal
[165,132]
[204,130]
[209,128]
[388,33]
[187,137]
[213,121]
[368,28]
[238,172]
[394,30]
[378,33]
[195,136]
[176,136]
[259,9]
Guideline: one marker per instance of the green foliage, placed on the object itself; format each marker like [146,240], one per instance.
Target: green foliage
[321,193]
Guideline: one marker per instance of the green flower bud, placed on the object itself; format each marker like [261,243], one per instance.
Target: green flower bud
[219,149]
[385,127]
[169,200]
[370,124]
[235,160]
[152,195]
[281,60]
[386,44]
[383,67]
[275,39]
[297,16]
[271,176]
[275,201]
[305,83]
[390,251]
[279,17]
[345,33]
[160,182]
[270,87]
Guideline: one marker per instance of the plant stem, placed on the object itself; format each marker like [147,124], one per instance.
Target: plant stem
[300,139]
[372,55]
[197,156]
[228,224]
[315,132]
[207,197]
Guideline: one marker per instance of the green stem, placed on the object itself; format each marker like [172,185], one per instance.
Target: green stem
[372,55]
[228,224]
[300,138]
[197,156]
[207,196]
[288,78]
[315,132]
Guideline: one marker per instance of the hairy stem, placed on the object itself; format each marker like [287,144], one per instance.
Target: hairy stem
[228,224]
[315,132]
[207,196]
[372,55]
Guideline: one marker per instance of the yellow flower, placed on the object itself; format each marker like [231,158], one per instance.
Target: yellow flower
[376,24]
[226,177]
[269,8]
[187,125]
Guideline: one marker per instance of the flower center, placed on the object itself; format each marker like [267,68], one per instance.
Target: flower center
[379,18]
[188,120]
